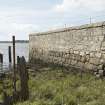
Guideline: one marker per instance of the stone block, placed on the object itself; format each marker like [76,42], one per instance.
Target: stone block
[95,61]
[66,64]
[66,61]
[63,60]
[89,66]
[99,67]
[82,53]
[60,54]
[102,61]
[67,55]
[98,55]
[73,56]
[103,46]
[73,62]
[80,64]
[71,51]
[87,52]
[59,59]
[92,54]
[83,59]
[70,56]
[87,58]
[101,72]
[103,56]
[78,57]
[76,52]
[69,61]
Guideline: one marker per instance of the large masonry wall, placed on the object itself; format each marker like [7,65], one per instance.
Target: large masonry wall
[82,46]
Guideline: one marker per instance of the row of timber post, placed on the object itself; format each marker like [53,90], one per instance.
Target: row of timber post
[22,72]
[24,77]
[10,57]
[9,53]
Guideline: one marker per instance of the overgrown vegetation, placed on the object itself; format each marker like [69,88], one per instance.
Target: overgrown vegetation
[55,87]
[6,86]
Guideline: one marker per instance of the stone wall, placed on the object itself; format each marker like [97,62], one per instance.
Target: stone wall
[82,46]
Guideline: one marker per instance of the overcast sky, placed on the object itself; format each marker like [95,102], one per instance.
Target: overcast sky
[22,17]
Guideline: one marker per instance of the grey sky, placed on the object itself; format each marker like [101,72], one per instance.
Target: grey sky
[22,17]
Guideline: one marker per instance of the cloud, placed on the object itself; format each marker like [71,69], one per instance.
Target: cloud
[90,5]
[23,18]
[15,24]
[19,23]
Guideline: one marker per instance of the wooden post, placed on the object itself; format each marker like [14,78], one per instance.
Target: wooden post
[9,53]
[18,59]
[24,77]
[14,85]
[1,58]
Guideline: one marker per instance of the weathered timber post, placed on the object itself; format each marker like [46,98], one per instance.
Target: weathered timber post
[1,62]
[1,58]
[24,77]
[14,68]
[18,59]
[9,54]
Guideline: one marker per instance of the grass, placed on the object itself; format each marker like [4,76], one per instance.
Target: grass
[55,87]
[5,85]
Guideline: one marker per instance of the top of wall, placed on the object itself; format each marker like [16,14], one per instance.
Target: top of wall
[93,25]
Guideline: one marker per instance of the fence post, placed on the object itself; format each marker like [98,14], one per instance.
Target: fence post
[9,54]
[18,59]
[1,58]
[14,68]
[1,62]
